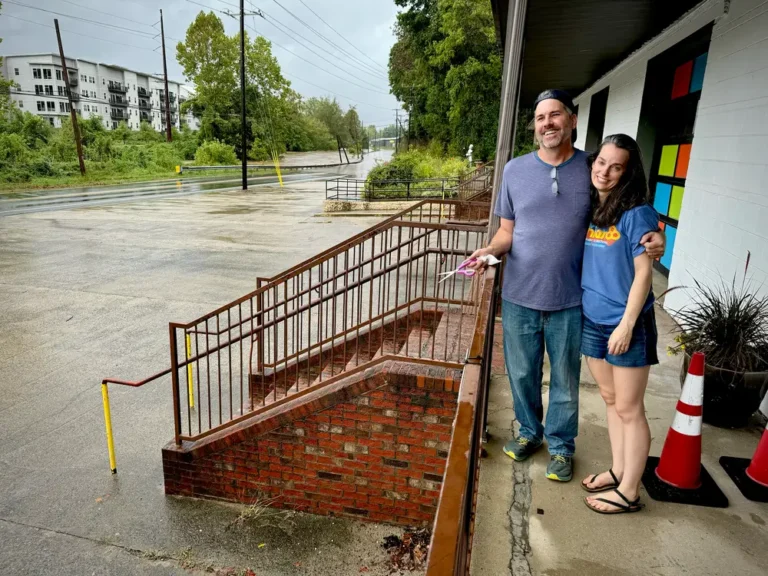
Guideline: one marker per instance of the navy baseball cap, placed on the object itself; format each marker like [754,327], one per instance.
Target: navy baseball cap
[554,94]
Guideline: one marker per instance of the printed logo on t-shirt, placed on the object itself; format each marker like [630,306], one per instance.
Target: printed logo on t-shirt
[602,237]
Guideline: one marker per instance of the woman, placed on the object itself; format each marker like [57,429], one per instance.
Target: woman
[619,335]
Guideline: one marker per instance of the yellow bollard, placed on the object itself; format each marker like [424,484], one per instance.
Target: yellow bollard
[108,425]
[189,374]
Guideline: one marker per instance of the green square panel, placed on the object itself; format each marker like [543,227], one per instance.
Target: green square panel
[668,160]
[676,202]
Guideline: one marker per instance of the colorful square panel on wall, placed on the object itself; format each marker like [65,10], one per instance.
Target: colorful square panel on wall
[668,160]
[661,199]
[676,202]
[671,233]
[697,78]
[683,159]
[682,80]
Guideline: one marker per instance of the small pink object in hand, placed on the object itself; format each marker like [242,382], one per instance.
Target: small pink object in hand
[462,269]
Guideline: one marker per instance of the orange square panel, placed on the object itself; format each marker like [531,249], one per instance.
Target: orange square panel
[683,157]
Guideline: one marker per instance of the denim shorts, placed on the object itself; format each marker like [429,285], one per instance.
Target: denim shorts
[642,347]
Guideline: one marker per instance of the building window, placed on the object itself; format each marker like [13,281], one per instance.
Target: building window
[64,107]
[21,103]
[83,77]
[105,95]
[40,106]
[49,90]
[61,90]
[58,74]
[91,79]
[51,121]
[36,73]
[93,94]
[47,74]
[84,93]
[16,71]
[103,81]
[38,89]
[51,106]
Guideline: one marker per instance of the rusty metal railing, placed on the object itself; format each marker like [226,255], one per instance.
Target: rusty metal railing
[476,183]
[383,295]
[453,529]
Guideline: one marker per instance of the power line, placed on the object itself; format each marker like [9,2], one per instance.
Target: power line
[89,36]
[129,30]
[341,35]
[330,42]
[336,94]
[105,13]
[281,28]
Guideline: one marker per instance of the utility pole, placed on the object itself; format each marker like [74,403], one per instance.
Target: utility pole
[72,111]
[244,152]
[397,131]
[168,133]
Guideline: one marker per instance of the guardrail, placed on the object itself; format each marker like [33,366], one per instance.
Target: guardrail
[182,169]
[350,189]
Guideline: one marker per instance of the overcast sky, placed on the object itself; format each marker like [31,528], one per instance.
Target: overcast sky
[366,24]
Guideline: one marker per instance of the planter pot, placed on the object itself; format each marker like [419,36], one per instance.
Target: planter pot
[730,398]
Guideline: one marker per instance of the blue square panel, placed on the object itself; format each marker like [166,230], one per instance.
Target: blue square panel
[661,198]
[697,78]
[671,233]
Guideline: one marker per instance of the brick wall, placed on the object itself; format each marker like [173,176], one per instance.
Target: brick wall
[372,448]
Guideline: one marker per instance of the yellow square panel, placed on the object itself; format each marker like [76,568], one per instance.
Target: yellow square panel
[676,202]
[668,160]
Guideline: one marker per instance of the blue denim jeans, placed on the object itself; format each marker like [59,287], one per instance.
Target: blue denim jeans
[526,333]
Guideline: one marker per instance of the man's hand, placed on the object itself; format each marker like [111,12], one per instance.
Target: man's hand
[655,243]
[479,265]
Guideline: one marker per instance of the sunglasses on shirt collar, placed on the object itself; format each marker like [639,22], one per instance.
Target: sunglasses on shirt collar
[553,175]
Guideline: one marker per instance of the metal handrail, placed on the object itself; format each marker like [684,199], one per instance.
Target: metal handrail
[350,189]
[267,311]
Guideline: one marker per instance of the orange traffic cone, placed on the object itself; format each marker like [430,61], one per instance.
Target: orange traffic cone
[678,475]
[680,464]
[758,468]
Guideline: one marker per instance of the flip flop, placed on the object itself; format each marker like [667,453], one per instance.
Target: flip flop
[631,506]
[603,488]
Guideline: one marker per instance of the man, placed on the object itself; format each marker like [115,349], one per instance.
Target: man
[544,207]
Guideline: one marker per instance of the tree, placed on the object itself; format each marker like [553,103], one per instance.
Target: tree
[446,69]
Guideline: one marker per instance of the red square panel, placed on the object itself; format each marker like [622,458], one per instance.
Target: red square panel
[683,157]
[682,80]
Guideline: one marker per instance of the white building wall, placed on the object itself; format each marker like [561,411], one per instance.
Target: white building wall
[725,207]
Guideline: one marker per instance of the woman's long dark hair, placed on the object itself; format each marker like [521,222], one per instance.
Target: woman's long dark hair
[630,192]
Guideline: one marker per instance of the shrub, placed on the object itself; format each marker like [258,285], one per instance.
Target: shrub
[212,152]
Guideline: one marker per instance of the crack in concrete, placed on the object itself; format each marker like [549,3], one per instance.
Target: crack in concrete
[520,565]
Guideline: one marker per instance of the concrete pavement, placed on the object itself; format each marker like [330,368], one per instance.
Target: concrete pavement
[88,293]
[529,525]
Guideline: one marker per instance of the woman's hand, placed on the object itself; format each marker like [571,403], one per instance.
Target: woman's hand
[620,338]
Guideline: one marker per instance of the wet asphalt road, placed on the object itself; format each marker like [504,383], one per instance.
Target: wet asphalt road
[66,198]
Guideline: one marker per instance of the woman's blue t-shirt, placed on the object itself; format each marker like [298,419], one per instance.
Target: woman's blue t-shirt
[609,267]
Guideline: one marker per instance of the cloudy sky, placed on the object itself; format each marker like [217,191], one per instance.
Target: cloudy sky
[317,60]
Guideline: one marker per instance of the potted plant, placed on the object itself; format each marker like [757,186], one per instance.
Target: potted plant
[729,324]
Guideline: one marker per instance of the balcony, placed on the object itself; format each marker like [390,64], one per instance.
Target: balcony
[174,118]
[117,101]
[117,87]
[174,108]
[143,92]
[118,114]
[75,96]
[145,104]
[72,75]
[172,96]
[145,116]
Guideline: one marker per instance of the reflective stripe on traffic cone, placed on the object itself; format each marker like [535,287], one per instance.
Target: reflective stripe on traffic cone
[758,468]
[680,463]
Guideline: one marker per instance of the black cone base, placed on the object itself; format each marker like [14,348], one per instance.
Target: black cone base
[737,470]
[708,494]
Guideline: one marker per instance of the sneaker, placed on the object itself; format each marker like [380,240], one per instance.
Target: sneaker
[520,448]
[560,468]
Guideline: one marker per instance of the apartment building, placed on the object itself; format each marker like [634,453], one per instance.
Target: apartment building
[112,93]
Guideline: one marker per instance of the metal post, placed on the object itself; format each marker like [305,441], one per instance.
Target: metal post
[243,143]
[108,426]
[397,131]
[513,51]
[175,385]
[168,134]
[72,111]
